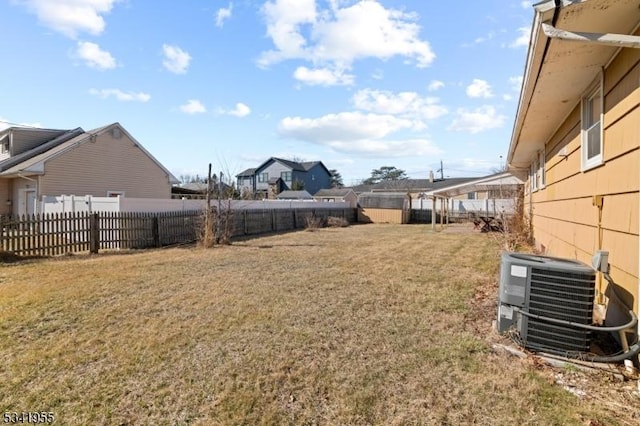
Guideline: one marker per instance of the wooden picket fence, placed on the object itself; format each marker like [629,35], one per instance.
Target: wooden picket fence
[62,233]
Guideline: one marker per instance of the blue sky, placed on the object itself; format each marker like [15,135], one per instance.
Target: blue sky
[355,84]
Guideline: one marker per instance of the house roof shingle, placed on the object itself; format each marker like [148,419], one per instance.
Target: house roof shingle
[294,195]
[247,173]
[411,185]
[333,192]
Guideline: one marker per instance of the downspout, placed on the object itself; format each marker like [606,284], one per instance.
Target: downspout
[598,202]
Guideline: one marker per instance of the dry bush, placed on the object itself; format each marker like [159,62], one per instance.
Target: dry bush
[516,233]
[217,226]
[337,222]
[313,222]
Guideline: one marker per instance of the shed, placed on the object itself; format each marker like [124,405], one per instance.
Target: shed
[384,207]
[337,195]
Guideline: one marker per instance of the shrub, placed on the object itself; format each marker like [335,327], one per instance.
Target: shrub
[313,222]
[337,222]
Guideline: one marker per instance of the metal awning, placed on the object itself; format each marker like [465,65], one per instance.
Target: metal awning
[503,181]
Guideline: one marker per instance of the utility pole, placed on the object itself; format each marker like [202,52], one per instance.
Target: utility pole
[441,170]
[218,235]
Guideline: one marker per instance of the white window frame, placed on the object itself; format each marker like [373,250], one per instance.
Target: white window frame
[542,170]
[588,129]
[533,175]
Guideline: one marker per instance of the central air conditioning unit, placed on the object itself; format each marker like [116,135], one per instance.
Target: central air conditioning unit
[533,288]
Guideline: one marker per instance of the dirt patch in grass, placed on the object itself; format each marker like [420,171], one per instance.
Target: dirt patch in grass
[361,325]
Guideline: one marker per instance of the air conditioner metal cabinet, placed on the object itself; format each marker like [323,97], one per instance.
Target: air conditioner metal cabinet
[550,287]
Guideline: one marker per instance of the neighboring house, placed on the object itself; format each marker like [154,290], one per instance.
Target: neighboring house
[103,162]
[576,135]
[384,207]
[246,181]
[337,195]
[295,195]
[263,182]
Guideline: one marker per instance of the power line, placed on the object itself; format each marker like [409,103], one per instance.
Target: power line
[19,125]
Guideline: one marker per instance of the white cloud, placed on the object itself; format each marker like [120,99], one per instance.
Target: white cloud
[403,104]
[71,17]
[344,126]
[223,14]
[284,19]
[94,56]
[120,95]
[479,89]
[482,39]
[507,97]
[323,77]
[523,38]
[193,106]
[435,85]
[478,120]
[175,60]
[526,4]
[377,74]
[241,110]
[386,148]
[332,39]
[357,133]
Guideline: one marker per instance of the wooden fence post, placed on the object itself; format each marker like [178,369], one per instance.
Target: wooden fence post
[155,231]
[94,233]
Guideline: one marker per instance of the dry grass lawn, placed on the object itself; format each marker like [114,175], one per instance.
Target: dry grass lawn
[370,324]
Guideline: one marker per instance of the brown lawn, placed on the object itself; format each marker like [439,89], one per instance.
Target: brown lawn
[370,324]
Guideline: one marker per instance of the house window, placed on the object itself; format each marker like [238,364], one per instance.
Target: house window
[263,177]
[4,148]
[592,129]
[285,176]
[542,170]
[471,196]
[115,194]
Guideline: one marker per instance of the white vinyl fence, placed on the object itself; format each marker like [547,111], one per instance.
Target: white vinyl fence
[91,204]
[489,206]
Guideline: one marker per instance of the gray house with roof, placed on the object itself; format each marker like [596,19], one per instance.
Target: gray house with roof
[276,175]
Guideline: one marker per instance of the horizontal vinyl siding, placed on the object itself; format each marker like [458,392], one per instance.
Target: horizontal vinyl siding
[5,195]
[564,219]
[108,164]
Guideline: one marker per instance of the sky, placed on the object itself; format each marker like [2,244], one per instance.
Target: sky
[356,84]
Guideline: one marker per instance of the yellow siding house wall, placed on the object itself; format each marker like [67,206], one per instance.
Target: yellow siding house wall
[563,216]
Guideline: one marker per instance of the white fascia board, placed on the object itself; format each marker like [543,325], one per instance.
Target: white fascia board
[614,40]
[37,168]
[547,5]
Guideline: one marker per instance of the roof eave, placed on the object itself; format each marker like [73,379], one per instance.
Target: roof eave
[535,58]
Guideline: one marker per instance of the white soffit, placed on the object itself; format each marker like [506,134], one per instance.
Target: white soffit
[554,88]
